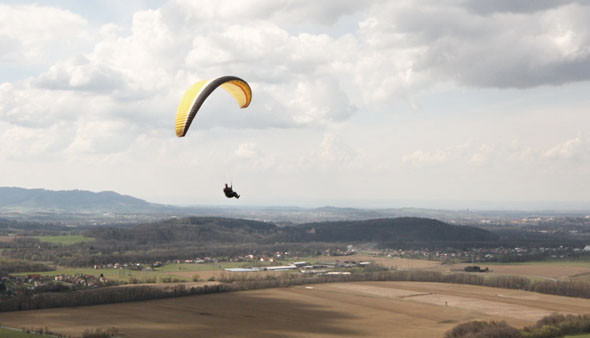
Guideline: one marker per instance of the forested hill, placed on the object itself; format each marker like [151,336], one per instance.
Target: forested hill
[70,200]
[192,229]
[397,229]
[224,230]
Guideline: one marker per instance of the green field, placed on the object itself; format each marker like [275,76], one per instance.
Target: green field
[65,239]
[587,335]
[213,266]
[122,275]
[7,333]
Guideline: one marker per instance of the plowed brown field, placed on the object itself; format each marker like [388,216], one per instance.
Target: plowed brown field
[377,309]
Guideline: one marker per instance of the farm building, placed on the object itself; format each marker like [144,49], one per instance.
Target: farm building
[280,268]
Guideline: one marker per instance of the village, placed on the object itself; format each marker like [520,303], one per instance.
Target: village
[495,254]
[33,283]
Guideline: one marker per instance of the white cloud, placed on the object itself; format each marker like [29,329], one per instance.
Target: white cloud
[81,74]
[420,157]
[575,149]
[246,150]
[547,47]
[491,7]
[278,11]
[513,154]
[35,34]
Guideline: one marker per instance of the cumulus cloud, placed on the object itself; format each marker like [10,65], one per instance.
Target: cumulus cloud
[449,43]
[81,74]
[35,33]
[523,6]
[279,11]
[574,149]
[507,154]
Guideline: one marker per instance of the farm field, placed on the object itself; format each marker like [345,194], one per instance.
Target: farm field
[389,262]
[392,309]
[550,270]
[182,272]
[65,239]
[8,333]
[111,274]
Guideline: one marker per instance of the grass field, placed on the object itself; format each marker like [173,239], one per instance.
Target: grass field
[376,309]
[111,274]
[183,272]
[7,333]
[199,267]
[65,240]
[579,336]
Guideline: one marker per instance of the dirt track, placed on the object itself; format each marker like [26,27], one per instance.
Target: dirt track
[392,309]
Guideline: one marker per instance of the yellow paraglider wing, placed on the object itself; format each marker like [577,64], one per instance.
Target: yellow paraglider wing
[194,97]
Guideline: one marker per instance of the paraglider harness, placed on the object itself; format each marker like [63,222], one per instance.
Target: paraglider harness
[229,192]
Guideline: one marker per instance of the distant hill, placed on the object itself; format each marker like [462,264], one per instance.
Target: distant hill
[401,229]
[227,230]
[191,229]
[19,199]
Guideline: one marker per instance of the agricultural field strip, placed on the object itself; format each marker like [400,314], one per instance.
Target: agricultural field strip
[582,263]
[506,296]
[536,269]
[65,239]
[332,309]
[112,274]
[183,270]
[466,302]
[9,332]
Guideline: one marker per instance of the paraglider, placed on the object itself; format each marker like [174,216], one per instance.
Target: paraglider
[193,99]
[229,192]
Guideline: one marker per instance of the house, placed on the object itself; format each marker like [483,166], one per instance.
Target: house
[35,277]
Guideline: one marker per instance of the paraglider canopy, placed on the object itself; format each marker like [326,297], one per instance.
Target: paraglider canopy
[194,97]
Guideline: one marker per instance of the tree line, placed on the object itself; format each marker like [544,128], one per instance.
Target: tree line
[552,326]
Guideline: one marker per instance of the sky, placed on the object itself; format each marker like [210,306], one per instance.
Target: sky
[428,103]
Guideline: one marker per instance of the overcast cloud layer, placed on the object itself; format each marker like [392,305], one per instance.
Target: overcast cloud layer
[355,102]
